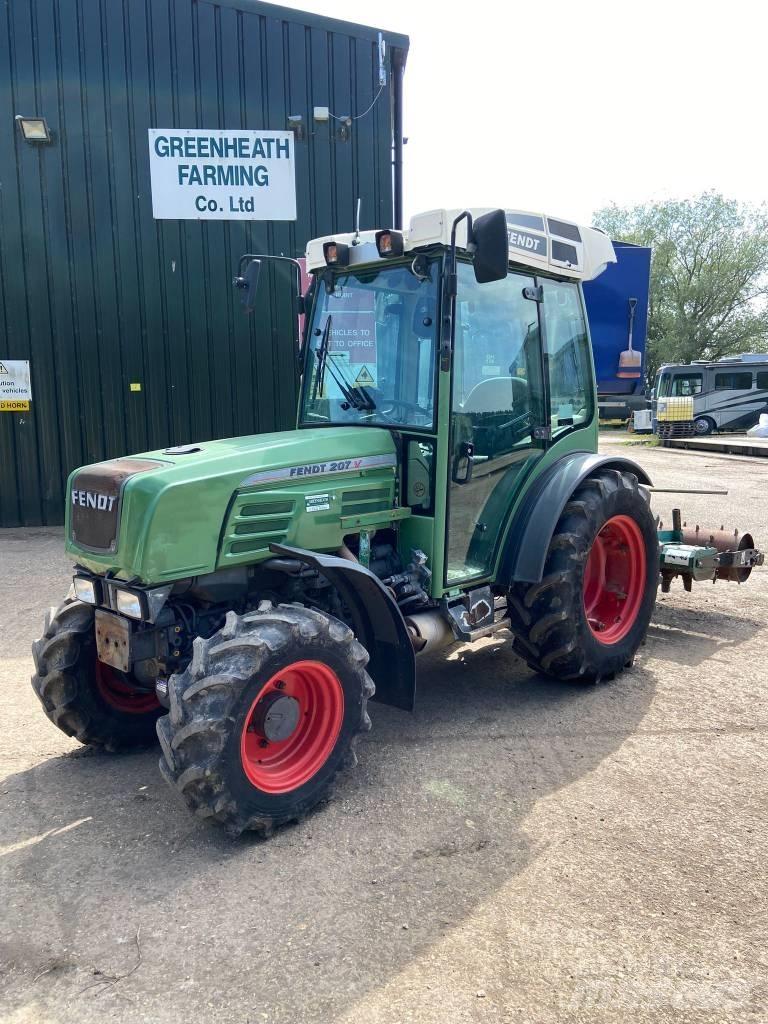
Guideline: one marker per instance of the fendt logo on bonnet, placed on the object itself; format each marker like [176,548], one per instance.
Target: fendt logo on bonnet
[92,499]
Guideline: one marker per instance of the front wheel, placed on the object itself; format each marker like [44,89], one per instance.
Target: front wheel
[264,716]
[703,425]
[589,613]
[82,696]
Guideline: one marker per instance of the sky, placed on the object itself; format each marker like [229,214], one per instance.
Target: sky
[565,107]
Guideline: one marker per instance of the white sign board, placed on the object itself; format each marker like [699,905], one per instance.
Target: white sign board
[207,174]
[15,385]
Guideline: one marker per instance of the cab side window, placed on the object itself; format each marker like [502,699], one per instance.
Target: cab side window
[570,359]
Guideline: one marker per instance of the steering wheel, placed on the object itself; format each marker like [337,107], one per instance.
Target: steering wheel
[400,403]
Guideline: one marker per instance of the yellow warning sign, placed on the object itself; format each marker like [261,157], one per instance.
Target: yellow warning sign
[364,377]
[15,385]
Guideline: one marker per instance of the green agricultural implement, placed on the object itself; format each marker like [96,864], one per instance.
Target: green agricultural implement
[243,599]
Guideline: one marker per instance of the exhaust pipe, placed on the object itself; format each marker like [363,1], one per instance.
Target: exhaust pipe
[429,631]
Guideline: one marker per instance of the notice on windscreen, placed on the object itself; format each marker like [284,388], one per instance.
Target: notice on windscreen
[200,174]
[352,342]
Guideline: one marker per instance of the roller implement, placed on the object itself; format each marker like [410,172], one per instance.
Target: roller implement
[244,599]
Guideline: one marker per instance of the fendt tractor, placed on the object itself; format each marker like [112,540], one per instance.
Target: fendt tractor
[244,599]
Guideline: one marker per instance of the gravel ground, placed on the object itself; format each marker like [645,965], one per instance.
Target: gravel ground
[515,851]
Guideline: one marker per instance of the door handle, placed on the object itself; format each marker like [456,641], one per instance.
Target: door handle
[463,463]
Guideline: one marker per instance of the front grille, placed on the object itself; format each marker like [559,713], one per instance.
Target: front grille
[254,527]
[95,498]
[371,499]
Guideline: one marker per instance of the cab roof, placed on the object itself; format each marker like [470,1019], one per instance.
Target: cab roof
[536,240]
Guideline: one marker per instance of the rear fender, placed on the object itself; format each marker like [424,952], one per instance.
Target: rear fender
[377,622]
[534,522]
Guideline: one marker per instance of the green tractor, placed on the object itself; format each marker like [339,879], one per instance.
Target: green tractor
[244,599]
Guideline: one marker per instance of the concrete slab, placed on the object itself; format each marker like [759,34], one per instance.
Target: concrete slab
[732,444]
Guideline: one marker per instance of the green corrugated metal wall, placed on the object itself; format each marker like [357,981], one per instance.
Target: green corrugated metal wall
[97,294]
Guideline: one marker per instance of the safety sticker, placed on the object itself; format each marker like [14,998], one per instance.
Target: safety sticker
[318,502]
[676,558]
[15,385]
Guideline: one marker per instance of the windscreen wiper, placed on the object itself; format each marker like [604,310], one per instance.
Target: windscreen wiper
[355,395]
[321,353]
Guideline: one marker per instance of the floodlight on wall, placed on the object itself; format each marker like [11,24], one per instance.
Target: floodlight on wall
[34,129]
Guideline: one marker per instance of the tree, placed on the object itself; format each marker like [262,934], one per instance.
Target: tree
[709,275]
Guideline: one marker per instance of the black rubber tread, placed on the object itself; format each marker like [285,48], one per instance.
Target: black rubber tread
[200,737]
[548,619]
[65,658]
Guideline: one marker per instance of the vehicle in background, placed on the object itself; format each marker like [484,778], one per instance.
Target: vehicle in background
[695,399]
[617,310]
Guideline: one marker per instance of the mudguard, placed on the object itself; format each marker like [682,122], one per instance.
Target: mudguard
[534,522]
[377,621]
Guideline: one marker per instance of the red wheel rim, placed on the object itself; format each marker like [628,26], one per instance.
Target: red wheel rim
[614,579]
[279,766]
[120,695]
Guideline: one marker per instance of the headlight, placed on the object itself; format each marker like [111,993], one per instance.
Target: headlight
[85,590]
[662,406]
[128,603]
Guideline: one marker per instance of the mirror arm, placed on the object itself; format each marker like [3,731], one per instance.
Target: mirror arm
[451,285]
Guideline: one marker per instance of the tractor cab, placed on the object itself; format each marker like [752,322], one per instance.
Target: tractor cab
[466,337]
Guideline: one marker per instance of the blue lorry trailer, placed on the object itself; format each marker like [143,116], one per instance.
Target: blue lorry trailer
[617,308]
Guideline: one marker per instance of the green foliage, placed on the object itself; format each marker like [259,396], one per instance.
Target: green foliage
[709,275]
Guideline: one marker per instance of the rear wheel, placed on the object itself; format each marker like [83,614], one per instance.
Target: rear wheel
[265,716]
[588,615]
[81,695]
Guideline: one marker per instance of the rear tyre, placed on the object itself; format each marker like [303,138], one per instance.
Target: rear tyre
[84,697]
[264,717]
[703,425]
[589,613]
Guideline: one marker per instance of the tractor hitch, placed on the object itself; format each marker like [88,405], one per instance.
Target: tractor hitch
[699,553]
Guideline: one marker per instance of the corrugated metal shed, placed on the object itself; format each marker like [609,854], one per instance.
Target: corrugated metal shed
[97,294]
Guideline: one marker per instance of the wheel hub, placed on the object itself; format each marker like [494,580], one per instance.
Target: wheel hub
[614,579]
[277,716]
[291,727]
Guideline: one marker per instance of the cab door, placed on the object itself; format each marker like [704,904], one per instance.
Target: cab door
[497,415]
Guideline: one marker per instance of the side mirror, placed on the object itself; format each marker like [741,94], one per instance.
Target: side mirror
[249,283]
[463,462]
[489,236]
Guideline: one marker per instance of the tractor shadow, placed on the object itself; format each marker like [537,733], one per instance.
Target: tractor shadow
[104,869]
[692,635]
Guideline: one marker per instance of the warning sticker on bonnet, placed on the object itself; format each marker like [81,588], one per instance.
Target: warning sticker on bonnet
[317,502]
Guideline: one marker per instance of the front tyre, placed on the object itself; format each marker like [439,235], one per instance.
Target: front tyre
[589,613]
[703,425]
[81,695]
[264,717]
